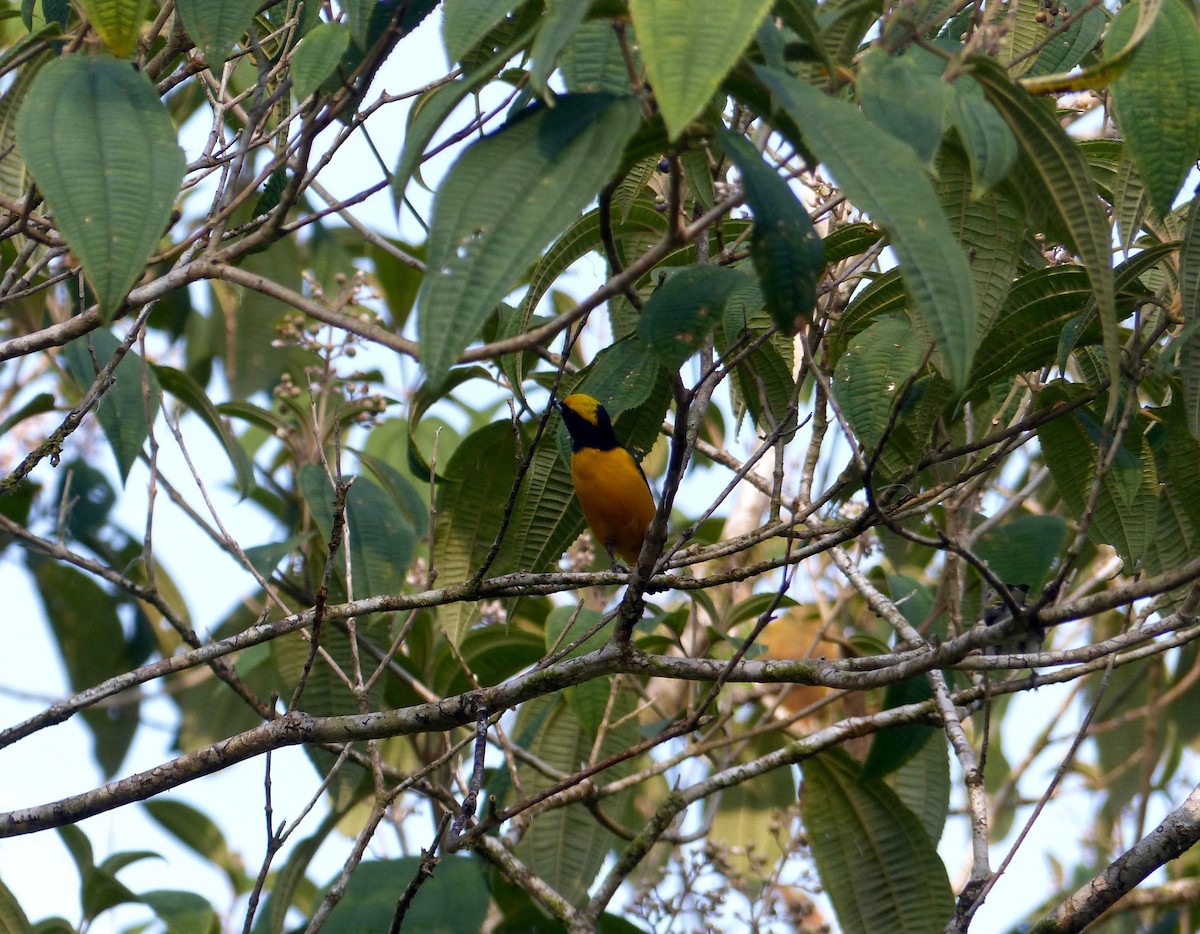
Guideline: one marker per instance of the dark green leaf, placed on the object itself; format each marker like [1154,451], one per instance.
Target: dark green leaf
[875,859]
[317,56]
[1157,99]
[884,177]
[787,253]
[451,901]
[479,246]
[123,409]
[683,311]
[91,643]
[102,149]
[215,25]
[905,95]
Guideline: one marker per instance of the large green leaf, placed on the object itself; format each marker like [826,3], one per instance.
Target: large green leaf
[564,847]
[1023,551]
[1126,511]
[683,311]
[317,56]
[102,149]
[689,46]
[470,502]
[14,176]
[466,22]
[452,900]
[124,407]
[986,137]
[923,784]
[787,253]
[539,170]
[876,365]
[1189,295]
[875,858]
[1067,186]
[215,25]
[905,95]
[559,24]
[91,642]
[381,538]
[1157,99]
[989,225]
[885,178]
[117,21]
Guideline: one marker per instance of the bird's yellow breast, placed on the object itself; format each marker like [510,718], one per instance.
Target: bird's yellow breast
[616,501]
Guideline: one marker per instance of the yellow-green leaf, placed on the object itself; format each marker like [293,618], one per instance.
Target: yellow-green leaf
[117,21]
[689,46]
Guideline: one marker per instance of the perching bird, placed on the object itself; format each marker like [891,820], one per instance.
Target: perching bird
[1027,640]
[612,489]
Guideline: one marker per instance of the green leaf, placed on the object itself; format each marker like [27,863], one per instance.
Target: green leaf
[1126,511]
[1068,47]
[91,643]
[182,912]
[215,25]
[197,831]
[683,311]
[248,322]
[565,847]
[763,386]
[117,21]
[884,177]
[478,479]
[1023,551]
[905,95]
[14,174]
[874,857]
[689,46]
[894,746]
[990,226]
[923,784]
[359,14]
[1067,186]
[453,900]
[317,56]
[875,366]
[39,404]
[787,253]
[190,393]
[12,918]
[478,247]
[989,142]
[592,61]
[381,538]
[1156,100]
[1189,295]
[559,23]
[466,22]
[123,409]
[102,149]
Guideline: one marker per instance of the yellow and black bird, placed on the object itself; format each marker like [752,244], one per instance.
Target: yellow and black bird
[611,486]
